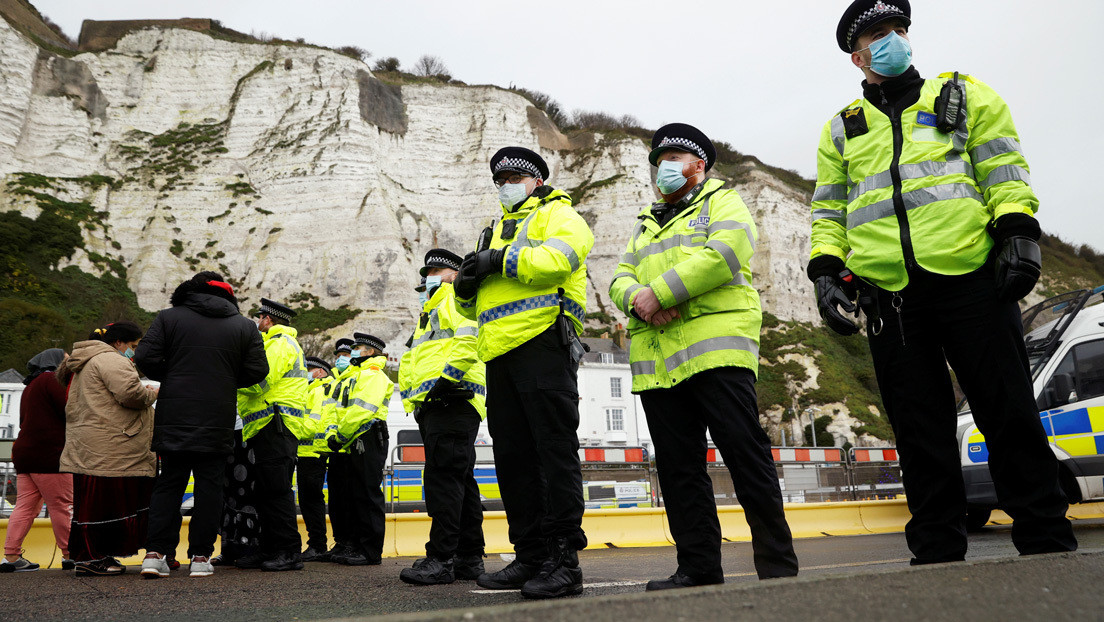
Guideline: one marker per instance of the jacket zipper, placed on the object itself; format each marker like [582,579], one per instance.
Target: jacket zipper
[898,200]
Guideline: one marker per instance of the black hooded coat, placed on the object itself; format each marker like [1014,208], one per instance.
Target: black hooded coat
[202,350]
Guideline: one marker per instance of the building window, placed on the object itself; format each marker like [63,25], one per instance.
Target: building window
[605,358]
[615,419]
[615,387]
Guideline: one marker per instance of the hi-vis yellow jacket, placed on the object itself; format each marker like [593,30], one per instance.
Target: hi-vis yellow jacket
[362,393]
[283,391]
[699,263]
[547,252]
[904,194]
[443,345]
[318,391]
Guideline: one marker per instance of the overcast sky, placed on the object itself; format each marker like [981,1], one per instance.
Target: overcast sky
[762,75]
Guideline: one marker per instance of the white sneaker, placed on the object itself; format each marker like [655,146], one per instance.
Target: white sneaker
[154,566]
[201,567]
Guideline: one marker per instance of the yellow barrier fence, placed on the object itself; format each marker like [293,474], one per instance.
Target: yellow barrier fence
[616,527]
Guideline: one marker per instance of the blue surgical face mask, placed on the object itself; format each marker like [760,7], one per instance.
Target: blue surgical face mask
[129,353]
[669,178]
[342,362]
[890,56]
[511,195]
[431,284]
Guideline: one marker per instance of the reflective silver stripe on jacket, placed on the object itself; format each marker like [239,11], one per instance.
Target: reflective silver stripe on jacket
[467,331]
[667,244]
[565,248]
[994,148]
[642,368]
[675,284]
[356,401]
[1008,172]
[839,137]
[713,344]
[912,200]
[623,274]
[728,253]
[628,295]
[918,170]
[835,215]
[830,192]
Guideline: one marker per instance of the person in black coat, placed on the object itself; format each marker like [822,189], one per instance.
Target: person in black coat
[202,350]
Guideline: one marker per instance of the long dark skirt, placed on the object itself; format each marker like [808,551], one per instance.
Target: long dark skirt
[241,529]
[110,516]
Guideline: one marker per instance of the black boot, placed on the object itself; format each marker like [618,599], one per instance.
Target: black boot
[559,575]
[315,555]
[250,561]
[511,577]
[284,560]
[428,571]
[677,580]
[468,566]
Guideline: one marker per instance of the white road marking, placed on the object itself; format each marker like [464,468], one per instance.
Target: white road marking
[831,566]
[585,585]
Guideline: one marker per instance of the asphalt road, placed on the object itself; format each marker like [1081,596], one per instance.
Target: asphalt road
[871,571]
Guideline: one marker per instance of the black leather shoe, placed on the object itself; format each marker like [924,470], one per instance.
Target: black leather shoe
[250,562]
[428,571]
[314,555]
[511,577]
[283,561]
[675,581]
[356,558]
[468,567]
[559,575]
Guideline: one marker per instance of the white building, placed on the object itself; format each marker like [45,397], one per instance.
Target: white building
[11,390]
[609,414]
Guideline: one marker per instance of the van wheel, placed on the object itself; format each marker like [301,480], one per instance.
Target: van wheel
[977,517]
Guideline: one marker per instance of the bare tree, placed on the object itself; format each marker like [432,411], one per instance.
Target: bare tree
[353,51]
[431,66]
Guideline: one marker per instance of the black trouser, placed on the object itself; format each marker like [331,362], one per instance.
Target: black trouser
[275,448]
[958,320]
[312,502]
[452,496]
[533,417]
[722,401]
[165,518]
[338,478]
[367,457]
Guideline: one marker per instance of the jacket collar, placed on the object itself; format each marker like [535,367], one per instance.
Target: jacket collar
[280,329]
[698,195]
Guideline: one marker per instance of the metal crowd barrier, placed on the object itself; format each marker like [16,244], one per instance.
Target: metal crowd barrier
[819,474]
[875,473]
[613,477]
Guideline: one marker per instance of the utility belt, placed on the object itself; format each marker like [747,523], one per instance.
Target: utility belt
[376,433]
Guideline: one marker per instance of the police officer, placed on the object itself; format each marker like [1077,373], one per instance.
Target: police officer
[923,201]
[443,383]
[361,432]
[526,288]
[273,419]
[685,280]
[338,472]
[312,462]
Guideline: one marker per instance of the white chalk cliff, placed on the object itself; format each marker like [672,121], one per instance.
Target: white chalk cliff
[295,170]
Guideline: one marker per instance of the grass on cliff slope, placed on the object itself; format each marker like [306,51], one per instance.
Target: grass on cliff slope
[846,372]
[43,307]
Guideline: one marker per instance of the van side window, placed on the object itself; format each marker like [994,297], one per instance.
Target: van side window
[1089,365]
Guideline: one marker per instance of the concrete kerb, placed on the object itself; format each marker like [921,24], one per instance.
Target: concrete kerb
[606,528]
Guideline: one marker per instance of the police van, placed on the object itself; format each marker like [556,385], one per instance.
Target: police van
[1064,336]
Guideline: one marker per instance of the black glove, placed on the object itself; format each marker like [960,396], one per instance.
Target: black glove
[1018,266]
[487,262]
[441,389]
[1018,261]
[333,444]
[833,292]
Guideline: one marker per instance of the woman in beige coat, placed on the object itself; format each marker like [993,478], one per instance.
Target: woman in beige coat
[108,428]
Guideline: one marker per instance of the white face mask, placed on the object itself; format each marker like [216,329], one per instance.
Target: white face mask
[511,195]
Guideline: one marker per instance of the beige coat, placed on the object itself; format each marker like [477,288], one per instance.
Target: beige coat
[108,418]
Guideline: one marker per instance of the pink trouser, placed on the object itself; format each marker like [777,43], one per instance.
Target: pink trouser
[57,490]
